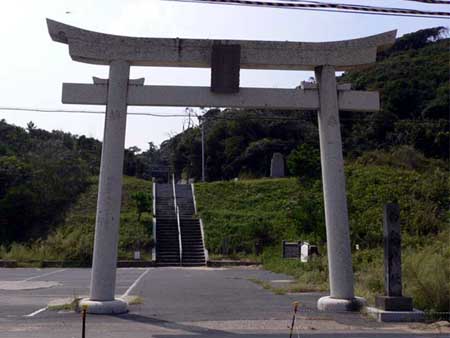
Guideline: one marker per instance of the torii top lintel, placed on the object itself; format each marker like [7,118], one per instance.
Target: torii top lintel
[98,48]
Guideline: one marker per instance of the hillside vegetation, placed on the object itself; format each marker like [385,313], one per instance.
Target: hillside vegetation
[252,217]
[42,174]
[73,239]
[246,214]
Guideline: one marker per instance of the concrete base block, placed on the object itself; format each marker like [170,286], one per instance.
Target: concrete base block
[388,303]
[114,307]
[330,304]
[395,316]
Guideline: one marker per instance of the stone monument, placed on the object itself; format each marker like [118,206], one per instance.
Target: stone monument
[277,166]
[393,306]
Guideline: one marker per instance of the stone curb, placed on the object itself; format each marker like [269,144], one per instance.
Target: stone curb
[226,263]
[8,263]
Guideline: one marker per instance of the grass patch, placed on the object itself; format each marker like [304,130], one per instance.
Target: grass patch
[267,286]
[67,305]
[134,300]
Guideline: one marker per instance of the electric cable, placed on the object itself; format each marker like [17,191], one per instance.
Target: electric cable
[248,116]
[430,2]
[330,7]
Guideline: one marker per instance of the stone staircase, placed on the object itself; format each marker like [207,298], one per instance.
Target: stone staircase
[193,253]
[167,243]
[166,236]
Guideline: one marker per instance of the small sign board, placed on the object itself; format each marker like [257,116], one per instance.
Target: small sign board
[304,252]
[291,249]
[299,250]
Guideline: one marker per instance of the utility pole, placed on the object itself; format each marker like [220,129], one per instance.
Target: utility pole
[200,119]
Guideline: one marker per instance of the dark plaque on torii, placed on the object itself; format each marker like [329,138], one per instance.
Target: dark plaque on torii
[393,299]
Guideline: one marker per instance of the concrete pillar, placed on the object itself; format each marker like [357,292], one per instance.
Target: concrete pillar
[103,280]
[336,214]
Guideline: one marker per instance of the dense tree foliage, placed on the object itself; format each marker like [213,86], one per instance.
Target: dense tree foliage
[412,78]
[42,172]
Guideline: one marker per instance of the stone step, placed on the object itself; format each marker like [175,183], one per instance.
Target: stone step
[193,256]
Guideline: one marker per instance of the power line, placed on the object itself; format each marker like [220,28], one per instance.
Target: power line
[248,116]
[432,2]
[70,111]
[363,7]
[327,7]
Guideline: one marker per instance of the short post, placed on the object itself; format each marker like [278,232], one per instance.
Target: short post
[83,321]
[336,214]
[103,280]
[393,299]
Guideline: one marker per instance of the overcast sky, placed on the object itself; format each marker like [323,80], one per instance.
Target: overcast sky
[33,67]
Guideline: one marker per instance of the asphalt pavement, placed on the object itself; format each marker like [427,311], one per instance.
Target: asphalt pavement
[178,302]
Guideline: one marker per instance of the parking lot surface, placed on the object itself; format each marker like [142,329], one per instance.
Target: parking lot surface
[177,302]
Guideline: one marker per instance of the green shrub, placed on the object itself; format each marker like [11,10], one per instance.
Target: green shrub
[427,277]
[143,202]
[304,162]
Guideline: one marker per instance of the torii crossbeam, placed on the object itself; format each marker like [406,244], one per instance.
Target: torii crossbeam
[225,57]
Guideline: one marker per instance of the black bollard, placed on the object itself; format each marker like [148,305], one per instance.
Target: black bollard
[83,319]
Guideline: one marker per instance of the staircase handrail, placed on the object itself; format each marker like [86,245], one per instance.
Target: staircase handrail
[154,240]
[154,199]
[193,198]
[174,193]
[179,235]
[202,231]
[205,251]
[154,222]
[177,212]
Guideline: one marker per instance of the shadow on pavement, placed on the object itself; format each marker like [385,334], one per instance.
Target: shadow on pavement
[303,335]
[200,332]
[173,325]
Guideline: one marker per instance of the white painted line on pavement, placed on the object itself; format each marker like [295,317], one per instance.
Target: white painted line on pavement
[36,312]
[44,275]
[127,293]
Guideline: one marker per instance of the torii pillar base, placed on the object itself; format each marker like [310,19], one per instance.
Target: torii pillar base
[112,307]
[330,304]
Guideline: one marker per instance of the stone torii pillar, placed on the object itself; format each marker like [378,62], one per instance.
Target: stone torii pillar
[227,57]
[102,298]
[335,200]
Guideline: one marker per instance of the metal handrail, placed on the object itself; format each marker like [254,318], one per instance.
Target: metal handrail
[174,193]
[154,199]
[154,240]
[154,223]
[177,212]
[193,198]
[179,235]
[205,251]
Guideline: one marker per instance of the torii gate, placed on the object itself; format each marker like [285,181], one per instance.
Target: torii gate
[225,58]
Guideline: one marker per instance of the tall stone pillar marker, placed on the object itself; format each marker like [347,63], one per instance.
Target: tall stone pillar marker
[103,280]
[342,296]
[393,299]
[393,306]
